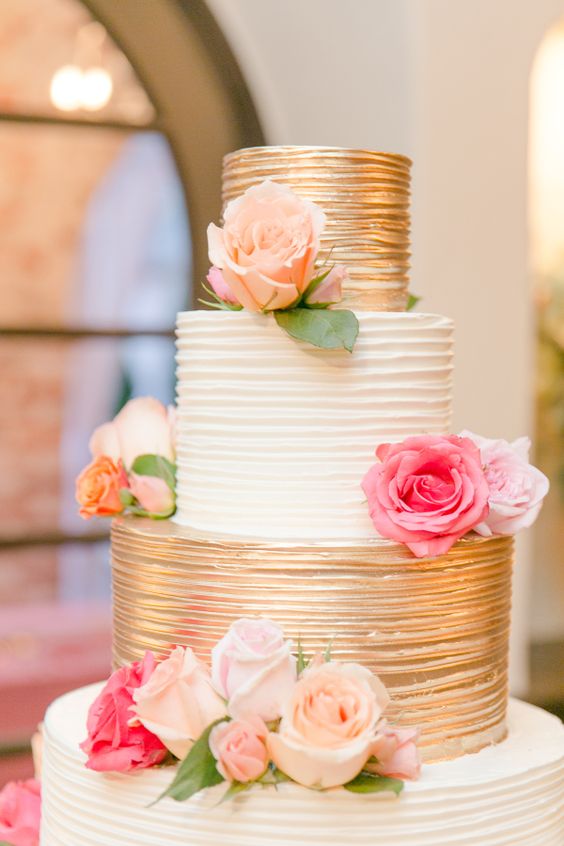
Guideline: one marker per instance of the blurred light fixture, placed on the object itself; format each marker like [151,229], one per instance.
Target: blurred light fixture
[66,88]
[96,89]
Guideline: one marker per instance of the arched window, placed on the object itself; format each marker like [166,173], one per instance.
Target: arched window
[113,121]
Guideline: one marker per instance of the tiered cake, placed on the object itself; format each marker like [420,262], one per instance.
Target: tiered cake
[273,439]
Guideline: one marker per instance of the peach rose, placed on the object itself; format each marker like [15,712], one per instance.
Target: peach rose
[143,427]
[517,488]
[267,247]
[329,725]
[152,493]
[396,752]
[178,701]
[427,492]
[252,667]
[20,813]
[98,487]
[239,749]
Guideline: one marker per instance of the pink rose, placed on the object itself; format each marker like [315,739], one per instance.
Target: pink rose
[98,487]
[239,749]
[143,427]
[427,492]
[267,247]
[220,286]
[20,813]
[330,291]
[252,667]
[516,488]
[329,725]
[178,701]
[396,752]
[116,741]
[152,493]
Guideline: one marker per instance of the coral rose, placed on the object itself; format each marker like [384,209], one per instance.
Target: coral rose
[153,494]
[396,752]
[267,247]
[98,487]
[516,488]
[252,667]
[143,427]
[239,749]
[20,813]
[178,701]
[427,492]
[329,725]
[117,741]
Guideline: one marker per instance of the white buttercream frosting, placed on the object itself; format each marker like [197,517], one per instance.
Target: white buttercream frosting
[511,794]
[275,436]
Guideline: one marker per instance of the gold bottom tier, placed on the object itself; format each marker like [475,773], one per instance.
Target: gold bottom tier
[435,629]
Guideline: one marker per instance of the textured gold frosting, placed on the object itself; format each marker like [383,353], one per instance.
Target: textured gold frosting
[435,630]
[365,195]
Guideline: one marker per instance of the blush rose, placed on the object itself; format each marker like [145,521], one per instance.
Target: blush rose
[20,813]
[153,494]
[267,247]
[427,492]
[329,725]
[396,753]
[117,741]
[143,427]
[239,749]
[516,488]
[253,668]
[98,487]
[178,701]
[220,286]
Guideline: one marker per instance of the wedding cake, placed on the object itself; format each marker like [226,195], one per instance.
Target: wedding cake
[312,488]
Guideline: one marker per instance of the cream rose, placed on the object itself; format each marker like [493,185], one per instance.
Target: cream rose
[253,668]
[178,701]
[267,247]
[143,427]
[329,725]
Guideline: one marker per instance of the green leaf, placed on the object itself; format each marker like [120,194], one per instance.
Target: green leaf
[279,776]
[302,660]
[412,301]
[234,789]
[327,653]
[126,499]
[218,303]
[197,770]
[156,465]
[368,783]
[325,328]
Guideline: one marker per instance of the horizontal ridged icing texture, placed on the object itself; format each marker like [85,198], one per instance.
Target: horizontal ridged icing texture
[508,795]
[275,436]
[435,630]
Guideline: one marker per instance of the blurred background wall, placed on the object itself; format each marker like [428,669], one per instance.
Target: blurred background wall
[113,121]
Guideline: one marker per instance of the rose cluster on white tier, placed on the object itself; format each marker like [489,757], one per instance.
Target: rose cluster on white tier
[274,436]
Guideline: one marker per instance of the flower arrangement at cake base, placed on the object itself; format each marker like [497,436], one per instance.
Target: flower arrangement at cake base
[258,716]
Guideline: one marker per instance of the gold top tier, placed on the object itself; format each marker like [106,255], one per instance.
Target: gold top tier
[365,195]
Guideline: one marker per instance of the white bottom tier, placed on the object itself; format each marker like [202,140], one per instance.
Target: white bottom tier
[511,794]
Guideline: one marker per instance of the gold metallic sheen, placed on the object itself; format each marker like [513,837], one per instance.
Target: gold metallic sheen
[365,195]
[435,630]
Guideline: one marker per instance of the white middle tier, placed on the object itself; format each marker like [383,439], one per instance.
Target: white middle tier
[275,436]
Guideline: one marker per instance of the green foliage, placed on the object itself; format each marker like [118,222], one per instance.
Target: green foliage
[156,465]
[196,771]
[412,301]
[368,783]
[325,328]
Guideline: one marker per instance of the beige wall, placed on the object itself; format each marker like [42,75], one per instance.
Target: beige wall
[446,82]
